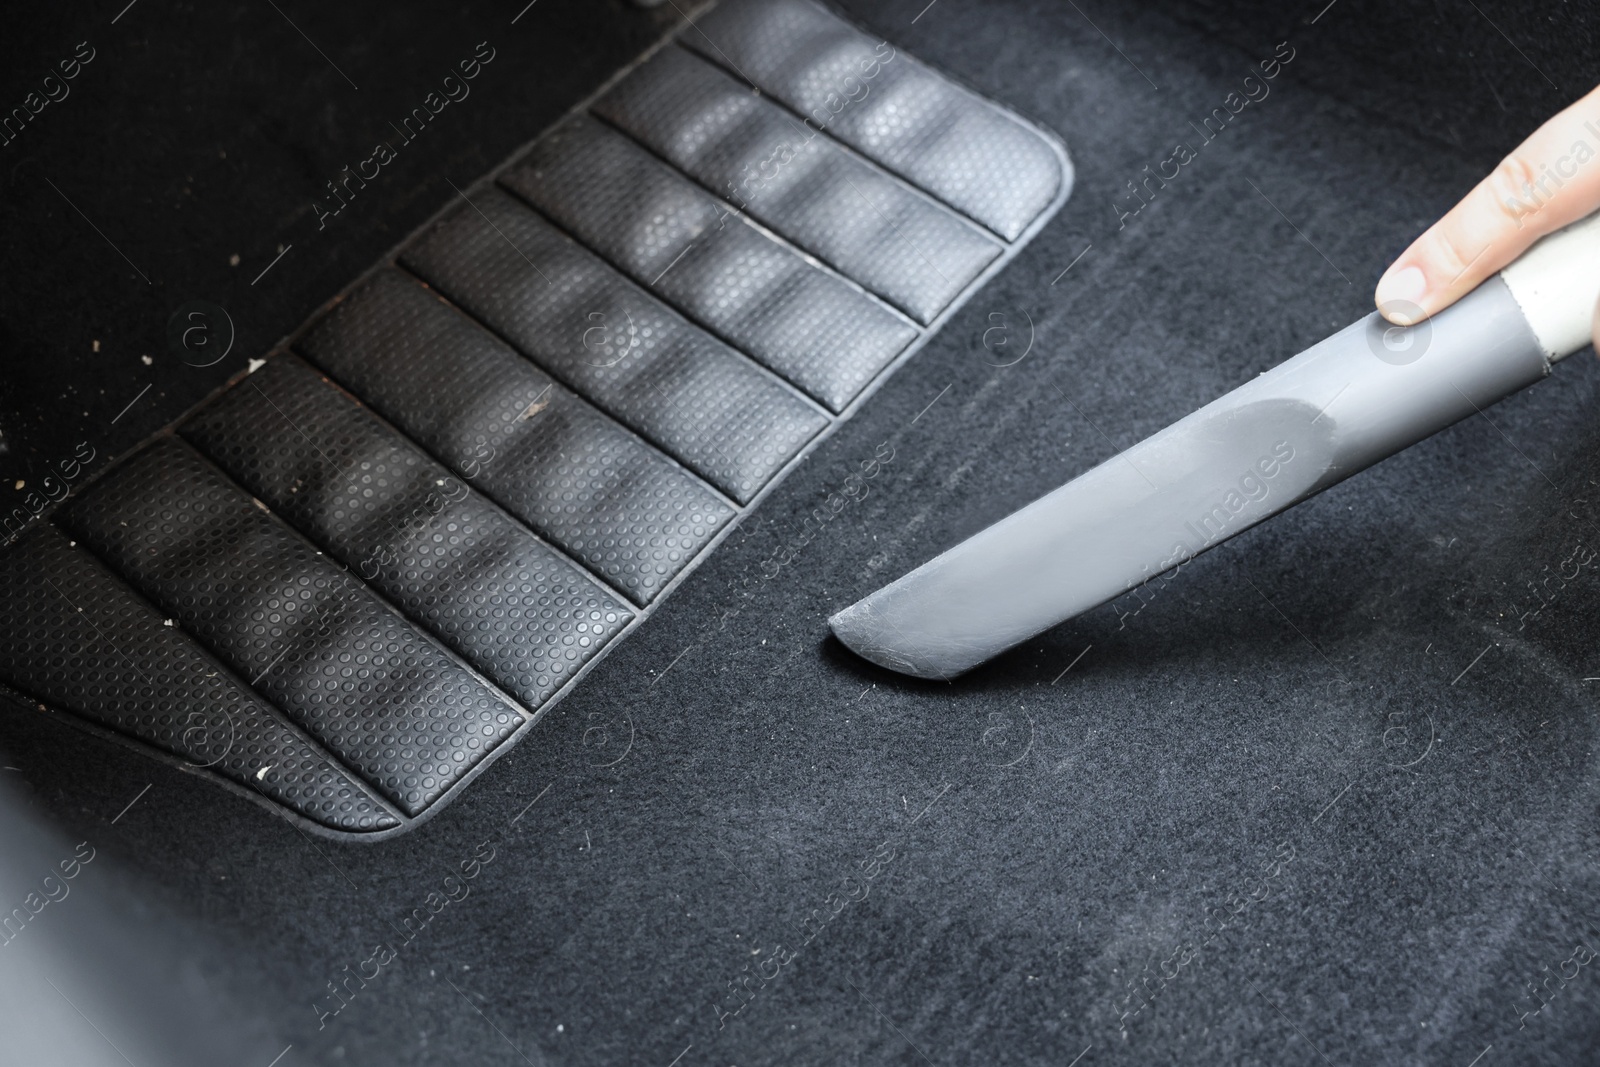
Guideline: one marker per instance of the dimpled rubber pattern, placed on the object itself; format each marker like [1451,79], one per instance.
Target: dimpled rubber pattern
[577,478]
[299,629]
[918,124]
[520,613]
[347,583]
[152,681]
[708,406]
[764,298]
[856,218]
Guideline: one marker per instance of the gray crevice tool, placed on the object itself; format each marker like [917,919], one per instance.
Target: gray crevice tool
[1363,394]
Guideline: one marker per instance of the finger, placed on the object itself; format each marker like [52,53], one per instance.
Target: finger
[1550,180]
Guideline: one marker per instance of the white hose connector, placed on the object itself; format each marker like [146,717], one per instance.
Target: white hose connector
[1556,283]
[1595,327]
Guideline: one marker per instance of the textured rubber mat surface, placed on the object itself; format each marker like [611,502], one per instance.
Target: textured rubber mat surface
[154,683]
[390,548]
[521,613]
[917,123]
[300,630]
[828,201]
[764,298]
[701,402]
[574,476]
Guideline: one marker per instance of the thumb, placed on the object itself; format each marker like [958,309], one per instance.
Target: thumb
[1550,180]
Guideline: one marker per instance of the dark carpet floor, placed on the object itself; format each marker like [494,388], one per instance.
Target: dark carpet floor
[1330,796]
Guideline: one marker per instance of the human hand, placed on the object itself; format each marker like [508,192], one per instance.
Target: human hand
[1550,180]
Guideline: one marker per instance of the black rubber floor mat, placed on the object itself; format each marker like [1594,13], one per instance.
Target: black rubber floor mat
[519,612]
[706,405]
[300,630]
[574,476]
[891,239]
[886,105]
[809,326]
[152,682]
[381,556]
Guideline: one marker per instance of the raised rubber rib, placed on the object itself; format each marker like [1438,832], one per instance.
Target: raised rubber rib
[76,636]
[888,106]
[792,315]
[520,613]
[703,403]
[576,477]
[801,183]
[292,624]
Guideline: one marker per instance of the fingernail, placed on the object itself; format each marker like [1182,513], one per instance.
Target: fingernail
[1400,294]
